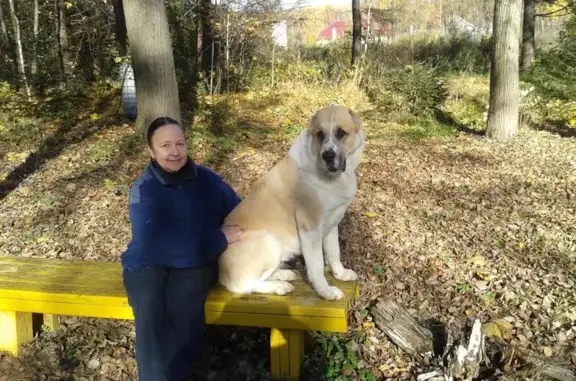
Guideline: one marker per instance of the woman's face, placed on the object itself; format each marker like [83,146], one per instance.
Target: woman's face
[169,147]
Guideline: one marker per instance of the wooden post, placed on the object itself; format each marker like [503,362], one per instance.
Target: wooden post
[15,330]
[51,321]
[286,353]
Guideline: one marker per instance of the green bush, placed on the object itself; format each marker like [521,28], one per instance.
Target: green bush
[415,89]
[554,71]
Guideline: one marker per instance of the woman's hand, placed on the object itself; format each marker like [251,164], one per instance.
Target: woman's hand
[232,233]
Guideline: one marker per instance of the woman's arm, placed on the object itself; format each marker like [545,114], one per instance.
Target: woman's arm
[229,200]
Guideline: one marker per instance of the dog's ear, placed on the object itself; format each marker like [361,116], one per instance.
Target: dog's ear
[312,121]
[356,119]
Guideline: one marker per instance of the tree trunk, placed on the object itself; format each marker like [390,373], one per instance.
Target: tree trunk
[504,83]
[5,38]
[456,352]
[120,27]
[63,45]
[34,66]
[152,61]
[356,31]
[19,53]
[528,31]
[210,48]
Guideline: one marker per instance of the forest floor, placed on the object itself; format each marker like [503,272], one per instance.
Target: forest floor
[447,223]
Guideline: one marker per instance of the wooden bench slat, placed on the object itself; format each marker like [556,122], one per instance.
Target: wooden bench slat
[88,286]
[94,289]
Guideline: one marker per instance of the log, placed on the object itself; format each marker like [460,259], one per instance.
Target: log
[404,331]
[465,353]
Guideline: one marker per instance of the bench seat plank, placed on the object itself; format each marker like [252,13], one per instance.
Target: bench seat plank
[85,288]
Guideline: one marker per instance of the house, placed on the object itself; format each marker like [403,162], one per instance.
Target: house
[380,26]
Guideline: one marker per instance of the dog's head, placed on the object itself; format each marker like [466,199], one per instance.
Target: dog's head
[336,139]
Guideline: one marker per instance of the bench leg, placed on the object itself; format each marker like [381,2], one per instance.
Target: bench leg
[51,321]
[16,329]
[286,353]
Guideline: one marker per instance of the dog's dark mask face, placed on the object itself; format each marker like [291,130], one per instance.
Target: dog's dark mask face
[333,131]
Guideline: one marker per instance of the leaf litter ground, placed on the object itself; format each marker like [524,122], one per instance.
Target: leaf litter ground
[450,228]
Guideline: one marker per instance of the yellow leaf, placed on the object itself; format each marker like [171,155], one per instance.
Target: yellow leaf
[478,260]
[95,116]
[505,326]
[42,239]
[483,275]
[521,245]
[117,59]
[370,214]
[109,184]
[67,4]
[491,329]
[383,368]
[368,324]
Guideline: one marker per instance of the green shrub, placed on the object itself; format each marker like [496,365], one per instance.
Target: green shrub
[415,89]
[554,71]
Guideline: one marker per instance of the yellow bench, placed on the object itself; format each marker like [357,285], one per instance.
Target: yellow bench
[94,289]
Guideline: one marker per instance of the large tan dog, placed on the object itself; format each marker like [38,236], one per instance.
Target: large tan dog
[295,209]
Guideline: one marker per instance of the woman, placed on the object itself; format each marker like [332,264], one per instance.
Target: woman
[176,211]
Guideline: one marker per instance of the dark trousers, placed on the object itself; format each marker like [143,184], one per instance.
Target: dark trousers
[168,307]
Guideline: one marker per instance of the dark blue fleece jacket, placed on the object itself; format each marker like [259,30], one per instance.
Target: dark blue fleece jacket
[176,218]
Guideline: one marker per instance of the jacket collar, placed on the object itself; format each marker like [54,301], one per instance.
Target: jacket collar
[188,172]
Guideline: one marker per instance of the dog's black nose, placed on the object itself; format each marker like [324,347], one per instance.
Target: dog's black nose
[328,155]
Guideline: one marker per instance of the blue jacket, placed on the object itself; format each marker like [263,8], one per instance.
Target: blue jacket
[176,219]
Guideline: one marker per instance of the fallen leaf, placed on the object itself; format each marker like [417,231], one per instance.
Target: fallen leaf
[547,351]
[491,329]
[370,214]
[478,260]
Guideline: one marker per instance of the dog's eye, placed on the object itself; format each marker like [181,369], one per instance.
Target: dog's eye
[340,133]
[320,135]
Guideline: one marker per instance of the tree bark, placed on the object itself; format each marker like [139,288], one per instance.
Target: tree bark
[120,27]
[152,61]
[356,32]
[465,354]
[34,65]
[19,53]
[504,82]
[63,45]
[528,31]
[210,43]
[4,28]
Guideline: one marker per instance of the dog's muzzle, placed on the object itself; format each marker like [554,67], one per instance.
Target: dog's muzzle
[333,163]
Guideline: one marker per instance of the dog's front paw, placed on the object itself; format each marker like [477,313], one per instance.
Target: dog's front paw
[346,275]
[331,293]
[283,288]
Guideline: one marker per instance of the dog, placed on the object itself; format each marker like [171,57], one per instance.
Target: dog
[295,209]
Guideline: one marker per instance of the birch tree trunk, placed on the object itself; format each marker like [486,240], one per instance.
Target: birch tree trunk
[504,82]
[19,53]
[34,66]
[152,60]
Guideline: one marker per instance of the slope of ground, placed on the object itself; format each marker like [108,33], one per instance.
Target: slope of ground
[449,227]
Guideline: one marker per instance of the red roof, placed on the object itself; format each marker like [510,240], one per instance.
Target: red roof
[338,26]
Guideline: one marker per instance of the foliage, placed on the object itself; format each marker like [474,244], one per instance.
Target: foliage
[335,358]
[554,71]
[414,89]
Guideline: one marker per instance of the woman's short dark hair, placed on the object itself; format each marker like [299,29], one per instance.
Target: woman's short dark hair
[156,124]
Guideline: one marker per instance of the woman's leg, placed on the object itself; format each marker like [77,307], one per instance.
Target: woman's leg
[186,295]
[146,291]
